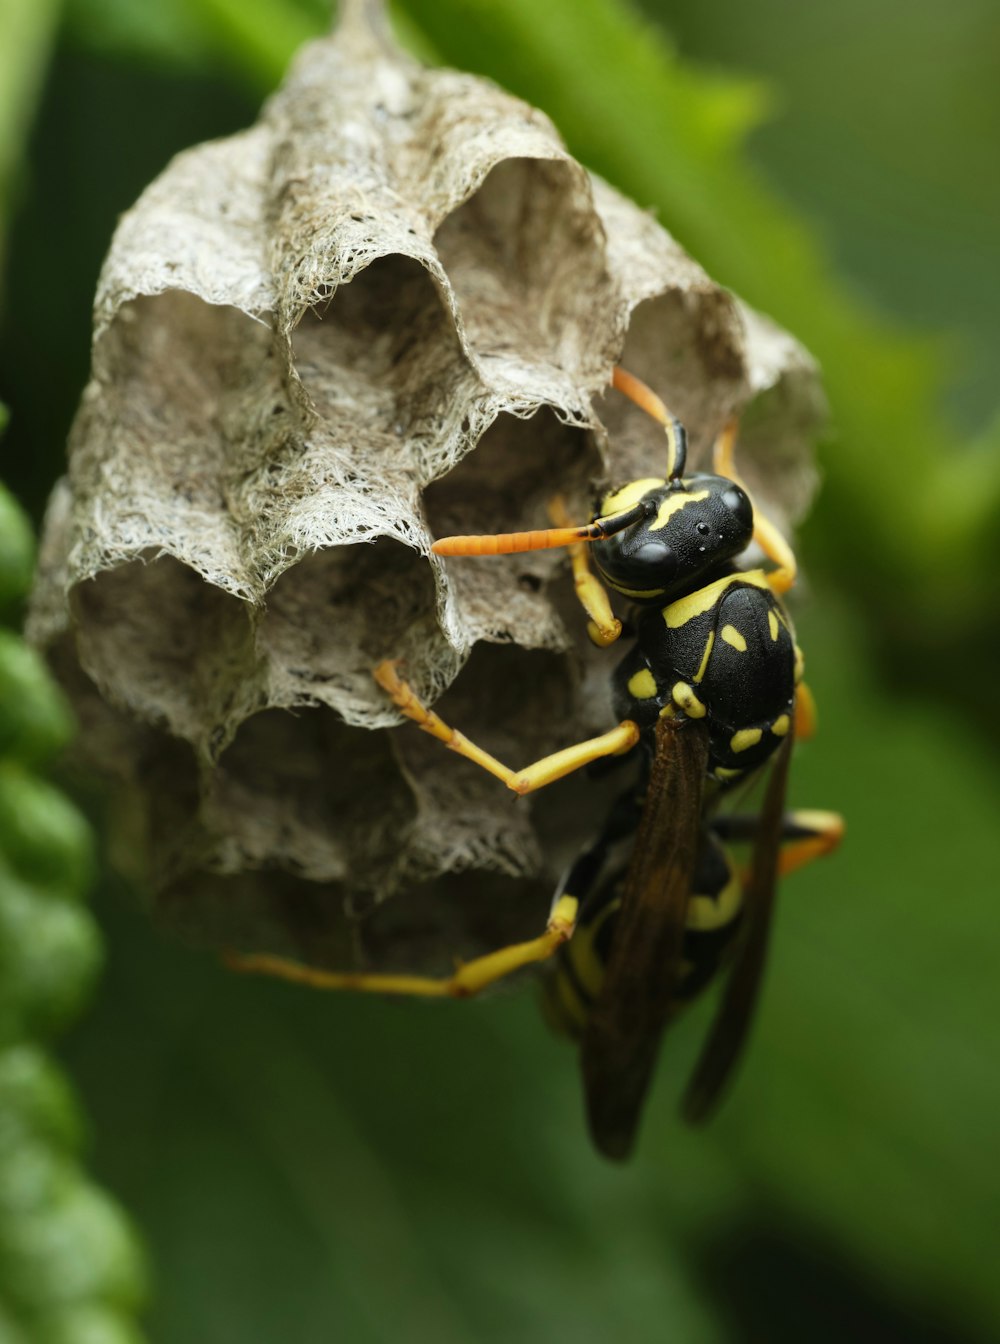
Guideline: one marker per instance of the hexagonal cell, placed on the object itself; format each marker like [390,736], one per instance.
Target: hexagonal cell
[188,352]
[505,485]
[525,256]
[307,794]
[267,910]
[182,372]
[384,347]
[506,482]
[336,614]
[168,647]
[519,705]
[684,344]
[108,741]
[454,918]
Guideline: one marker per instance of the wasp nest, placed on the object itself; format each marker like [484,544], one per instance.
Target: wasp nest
[386,312]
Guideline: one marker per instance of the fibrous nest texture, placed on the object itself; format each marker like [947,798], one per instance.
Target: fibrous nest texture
[386,312]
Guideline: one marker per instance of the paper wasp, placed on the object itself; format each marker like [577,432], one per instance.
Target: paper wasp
[708,695]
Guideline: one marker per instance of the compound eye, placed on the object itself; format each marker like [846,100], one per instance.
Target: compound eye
[653,554]
[738,503]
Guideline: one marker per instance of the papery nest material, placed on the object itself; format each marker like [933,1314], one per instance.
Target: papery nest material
[387,311]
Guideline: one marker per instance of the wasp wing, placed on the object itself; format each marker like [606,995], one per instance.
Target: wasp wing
[732,1023]
[622,1036]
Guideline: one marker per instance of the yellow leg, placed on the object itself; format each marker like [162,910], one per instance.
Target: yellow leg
[646,399]
[805,713]
[827,832]
[765,534]
[532,777]
[603,627]
[470,978]
[795,854]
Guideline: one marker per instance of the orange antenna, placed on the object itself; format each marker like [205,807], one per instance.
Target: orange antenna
[646,399]
[511,543]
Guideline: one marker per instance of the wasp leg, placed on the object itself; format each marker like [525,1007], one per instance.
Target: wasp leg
[571,989]
[604,627]
[646,399]
[817,834]
[806,834]
[805,713]
[765,534]
[532,777]
[470,978]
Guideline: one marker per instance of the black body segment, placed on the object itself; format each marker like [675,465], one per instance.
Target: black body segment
[725,654]
[731,1027]
[621,1039]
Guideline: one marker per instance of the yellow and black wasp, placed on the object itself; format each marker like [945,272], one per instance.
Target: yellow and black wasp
[709,693]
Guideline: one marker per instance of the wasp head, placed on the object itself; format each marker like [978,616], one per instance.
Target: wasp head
[690,530]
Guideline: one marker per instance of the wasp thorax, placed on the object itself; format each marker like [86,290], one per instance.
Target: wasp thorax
[692,528]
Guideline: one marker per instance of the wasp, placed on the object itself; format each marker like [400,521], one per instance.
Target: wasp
[708,696]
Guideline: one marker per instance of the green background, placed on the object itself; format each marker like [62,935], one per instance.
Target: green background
[312,1169]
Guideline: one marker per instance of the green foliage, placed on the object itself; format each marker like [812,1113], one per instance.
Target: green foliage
[17,545]
[70,1271]
[389,1170]
[26,30]
[34,718]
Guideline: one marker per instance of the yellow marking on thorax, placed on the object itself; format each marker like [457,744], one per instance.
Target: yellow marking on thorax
[704,657]
[620,500]
[673,503]
[705,913]
[684,696]
[696,604]
[745,739]
[800,664]
[780,726]
[733,638]
[642,684]
[723,772]
[772,624]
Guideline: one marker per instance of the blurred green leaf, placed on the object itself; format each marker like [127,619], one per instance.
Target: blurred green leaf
[43,836]
[17,546]
[70,1266]
[171,32]
[73,1249]
[26,31]
[35,721]
[50,954]
[35,1102]
[86,1324]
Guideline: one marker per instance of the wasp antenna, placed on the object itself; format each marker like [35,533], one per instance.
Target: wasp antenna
[510,543]
[647,400]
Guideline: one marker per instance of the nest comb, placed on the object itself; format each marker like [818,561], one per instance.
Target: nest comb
[387,311]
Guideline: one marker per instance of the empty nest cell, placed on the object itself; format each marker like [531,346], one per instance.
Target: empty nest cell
[454,918]
[168,647]
[524,254]
[382,350]
[686,346]
[506,485]
[306,793]
[336,614]
[177,362]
